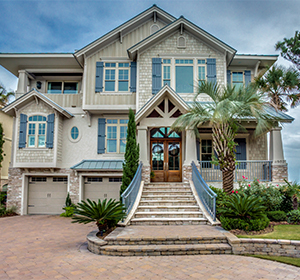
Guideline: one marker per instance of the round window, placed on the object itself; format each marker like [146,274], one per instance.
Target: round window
[74,132]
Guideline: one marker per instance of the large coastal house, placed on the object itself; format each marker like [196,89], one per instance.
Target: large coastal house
[71,112]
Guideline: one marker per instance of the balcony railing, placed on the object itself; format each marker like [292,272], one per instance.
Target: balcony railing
[245,169]
[130,194]
[207,196]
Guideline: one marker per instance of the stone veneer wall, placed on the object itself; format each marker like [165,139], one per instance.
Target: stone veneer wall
[272,247]
[31,154]
[186,173]
[279,173]
[146,174]
[258,147]
[169,47]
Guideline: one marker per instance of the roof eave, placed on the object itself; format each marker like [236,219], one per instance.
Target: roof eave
[163,14]
[190,27]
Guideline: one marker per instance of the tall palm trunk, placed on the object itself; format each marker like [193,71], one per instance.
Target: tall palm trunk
[224,146]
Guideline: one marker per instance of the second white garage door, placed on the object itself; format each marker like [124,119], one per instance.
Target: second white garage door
[102,187]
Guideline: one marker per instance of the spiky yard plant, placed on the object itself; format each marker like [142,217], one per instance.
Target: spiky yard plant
[229,106]
[243,207]
[104,213]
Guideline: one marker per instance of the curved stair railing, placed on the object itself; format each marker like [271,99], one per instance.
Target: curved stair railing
[130,194]
[205,193]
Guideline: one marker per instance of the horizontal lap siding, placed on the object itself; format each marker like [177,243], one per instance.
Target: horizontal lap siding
[116,49]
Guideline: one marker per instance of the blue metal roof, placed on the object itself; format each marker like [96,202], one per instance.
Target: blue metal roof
[99,165]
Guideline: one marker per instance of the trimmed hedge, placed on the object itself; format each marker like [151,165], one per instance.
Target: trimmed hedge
[293,217]
[276,216]
[246,225]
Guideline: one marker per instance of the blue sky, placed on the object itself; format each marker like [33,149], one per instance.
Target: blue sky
[66,25]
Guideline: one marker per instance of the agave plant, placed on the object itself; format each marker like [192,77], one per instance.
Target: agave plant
[243,207]
[104,213]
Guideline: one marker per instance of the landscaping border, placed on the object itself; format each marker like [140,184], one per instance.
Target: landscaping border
[256,246]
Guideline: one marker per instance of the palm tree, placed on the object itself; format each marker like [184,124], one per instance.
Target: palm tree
[4,96]
[224,113]
[281,86]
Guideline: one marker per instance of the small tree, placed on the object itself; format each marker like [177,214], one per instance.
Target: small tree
[290,49]
[132,153]
[4,96]
[281,86]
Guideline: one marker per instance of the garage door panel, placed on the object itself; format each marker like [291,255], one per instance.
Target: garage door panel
[101,190]
[46,197]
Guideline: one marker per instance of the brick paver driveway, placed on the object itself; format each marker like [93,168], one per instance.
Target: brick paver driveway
[50,247]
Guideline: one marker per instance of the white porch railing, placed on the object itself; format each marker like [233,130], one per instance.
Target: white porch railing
[245,169]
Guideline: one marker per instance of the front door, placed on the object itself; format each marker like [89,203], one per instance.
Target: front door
[165,155]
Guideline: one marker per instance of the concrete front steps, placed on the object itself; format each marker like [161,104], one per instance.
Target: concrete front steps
[161,240]
[168,204]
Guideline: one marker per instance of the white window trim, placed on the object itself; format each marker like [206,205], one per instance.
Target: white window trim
[118,125]
[117,68]
[173,70]
[36,135]
[79,135]
[62,86]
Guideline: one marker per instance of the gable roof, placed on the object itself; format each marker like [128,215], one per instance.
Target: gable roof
[126,28]
[180,24]
[155,99]
[31,96]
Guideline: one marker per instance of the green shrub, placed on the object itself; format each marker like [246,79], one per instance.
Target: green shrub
[286,204]
[104,213]
[270,196]
[222,198]
[69,211]
[276,216]
[246,225]
[242,206]
[7,211]
[291,191]
[293,217]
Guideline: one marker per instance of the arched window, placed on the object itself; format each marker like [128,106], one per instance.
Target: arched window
[37,131]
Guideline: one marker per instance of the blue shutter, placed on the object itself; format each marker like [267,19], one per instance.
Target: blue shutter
[211,70]
[133,76]
[22,132]
[50,131]
[101,136]
[241,152]
[247,74]
[156,75]
[99,77]
[228,78]
[198,149]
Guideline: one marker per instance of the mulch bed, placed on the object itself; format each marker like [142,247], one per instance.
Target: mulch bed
[9,215]
[105,233]
[268,229]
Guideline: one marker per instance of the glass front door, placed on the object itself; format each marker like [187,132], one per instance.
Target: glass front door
[165,156]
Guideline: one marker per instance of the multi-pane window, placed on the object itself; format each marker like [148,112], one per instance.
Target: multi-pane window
[116,77]
[74,132]
[116,134]
[167,72]
[206,150]
[237,79]
[201,71]
[62,87]
[36,132]
[184,71]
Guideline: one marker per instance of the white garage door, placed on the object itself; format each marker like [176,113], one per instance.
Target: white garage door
[47,195]
[102,187]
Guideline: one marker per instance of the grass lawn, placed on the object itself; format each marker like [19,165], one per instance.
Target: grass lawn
[290,232]
[287,260]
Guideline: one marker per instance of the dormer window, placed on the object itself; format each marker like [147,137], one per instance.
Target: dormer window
[62,87]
